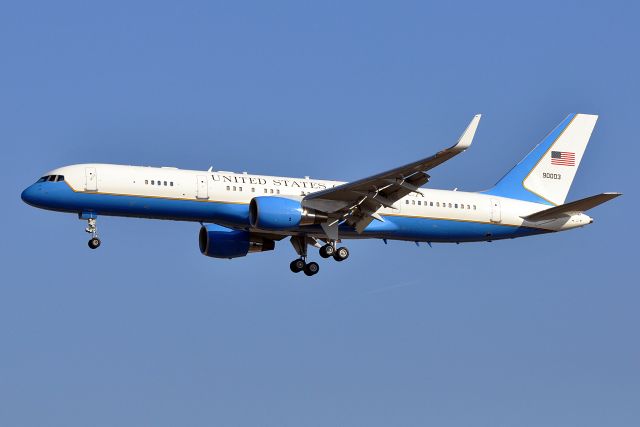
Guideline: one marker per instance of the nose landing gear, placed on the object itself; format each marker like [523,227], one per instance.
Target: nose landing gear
[92,229]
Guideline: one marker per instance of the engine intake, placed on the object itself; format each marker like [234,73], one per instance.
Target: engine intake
[280,213]
[221,242]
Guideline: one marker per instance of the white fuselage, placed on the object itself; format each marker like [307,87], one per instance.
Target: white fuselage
[227,188]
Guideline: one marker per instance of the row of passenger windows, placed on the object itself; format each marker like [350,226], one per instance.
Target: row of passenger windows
[253,190]
[51,178]
[158,182]
[438,204]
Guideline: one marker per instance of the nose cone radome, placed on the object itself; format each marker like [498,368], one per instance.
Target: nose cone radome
[31,195]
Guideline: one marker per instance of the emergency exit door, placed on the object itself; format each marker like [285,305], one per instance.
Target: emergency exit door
[203,187]
[91,179]
[496,214]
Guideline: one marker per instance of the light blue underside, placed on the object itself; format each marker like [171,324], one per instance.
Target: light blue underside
[511,186]
[59,196]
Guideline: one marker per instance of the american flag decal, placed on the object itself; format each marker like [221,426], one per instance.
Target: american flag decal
[563,158]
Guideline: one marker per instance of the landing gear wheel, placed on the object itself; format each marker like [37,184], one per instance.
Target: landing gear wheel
[311,268]
[341,254]
[94,242]
[327,251]
[297,265]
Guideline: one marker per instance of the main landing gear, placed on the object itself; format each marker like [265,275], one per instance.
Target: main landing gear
[328,250]
[298,265]
[92,228]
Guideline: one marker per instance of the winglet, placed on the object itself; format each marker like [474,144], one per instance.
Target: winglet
[467,136]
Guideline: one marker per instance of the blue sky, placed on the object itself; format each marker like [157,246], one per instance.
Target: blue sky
[146,331]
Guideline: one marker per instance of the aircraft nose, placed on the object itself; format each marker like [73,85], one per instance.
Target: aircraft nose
[31,195]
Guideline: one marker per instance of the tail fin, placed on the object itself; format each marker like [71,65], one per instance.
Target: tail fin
[546,173]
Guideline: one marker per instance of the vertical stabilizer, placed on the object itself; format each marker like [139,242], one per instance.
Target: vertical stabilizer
[546,173]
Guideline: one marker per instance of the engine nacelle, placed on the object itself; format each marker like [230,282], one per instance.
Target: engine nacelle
[280,213]
[221,242]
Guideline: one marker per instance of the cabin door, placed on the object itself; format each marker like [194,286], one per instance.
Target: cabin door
[496,215]
[91,179]
[203,187]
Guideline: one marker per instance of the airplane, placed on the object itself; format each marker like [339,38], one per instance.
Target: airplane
[242,213]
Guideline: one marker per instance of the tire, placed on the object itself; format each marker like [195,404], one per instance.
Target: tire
[327,251]
[94,243]
[311,269]
[297,265]
[341,254]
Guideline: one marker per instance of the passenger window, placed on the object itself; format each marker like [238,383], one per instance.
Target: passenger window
[253,190]
[152,182]
[165,183]
[234,188]
[159,182]
[171,184]
[437,204]
[449,204]
[278,191]
[239,188]
[468,207]
[228,188]
[413,202]
[419,203]
[146,181]
[266,191]
[456,206]
[474,207]
[271,191]
[407,202]
[430,203]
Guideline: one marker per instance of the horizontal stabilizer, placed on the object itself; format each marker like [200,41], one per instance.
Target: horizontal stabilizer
[572,208]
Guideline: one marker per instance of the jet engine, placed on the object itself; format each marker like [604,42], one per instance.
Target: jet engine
[221,242]
[280,213]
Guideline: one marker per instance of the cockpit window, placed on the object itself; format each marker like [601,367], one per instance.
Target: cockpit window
[51,178]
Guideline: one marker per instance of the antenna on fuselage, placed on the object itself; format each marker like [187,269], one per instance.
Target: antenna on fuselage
[210,168]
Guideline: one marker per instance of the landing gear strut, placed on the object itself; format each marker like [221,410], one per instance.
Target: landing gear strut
[297,265]
[328,250]
[92,229]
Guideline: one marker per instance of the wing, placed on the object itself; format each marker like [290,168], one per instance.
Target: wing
[357,202]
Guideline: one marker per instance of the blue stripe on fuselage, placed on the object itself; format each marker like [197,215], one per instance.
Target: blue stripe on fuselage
[58,196]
